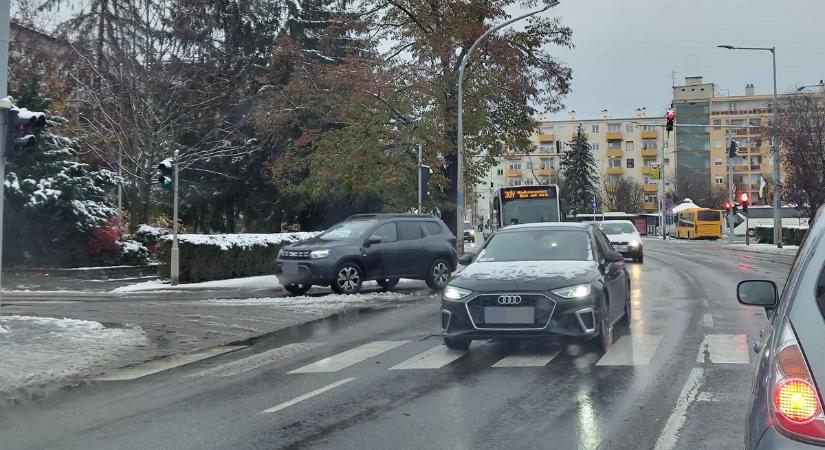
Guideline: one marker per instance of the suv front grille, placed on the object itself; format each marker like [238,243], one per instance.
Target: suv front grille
[619,243]
[542,310]
[295,254]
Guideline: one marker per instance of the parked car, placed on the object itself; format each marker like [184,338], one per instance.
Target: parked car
[625,238]
[469,232]
[537,280]
[786,410]
[382,247]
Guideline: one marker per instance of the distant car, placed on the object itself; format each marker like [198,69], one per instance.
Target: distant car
[625,238]
[786,410]
[382,247]
[469,232]
[537,280]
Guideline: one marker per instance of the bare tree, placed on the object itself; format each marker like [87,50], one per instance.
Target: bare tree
[623,194]
[802,134]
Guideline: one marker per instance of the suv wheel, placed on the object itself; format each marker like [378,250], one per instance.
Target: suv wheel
[348,279]
[439,274]
[387,283]
[457,343]
[297,289]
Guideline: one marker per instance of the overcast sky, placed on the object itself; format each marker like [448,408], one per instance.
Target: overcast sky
[626,49]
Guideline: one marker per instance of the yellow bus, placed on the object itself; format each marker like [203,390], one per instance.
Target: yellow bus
[699,223]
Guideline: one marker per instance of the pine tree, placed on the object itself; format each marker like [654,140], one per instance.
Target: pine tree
[579,172]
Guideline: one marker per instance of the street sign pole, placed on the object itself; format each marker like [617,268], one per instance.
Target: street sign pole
[175,263]
[419,179]
[4,107]
[731,217]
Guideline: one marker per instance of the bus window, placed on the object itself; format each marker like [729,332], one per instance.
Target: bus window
[709,216]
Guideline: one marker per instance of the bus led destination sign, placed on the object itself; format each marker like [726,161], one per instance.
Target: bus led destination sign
[527,193]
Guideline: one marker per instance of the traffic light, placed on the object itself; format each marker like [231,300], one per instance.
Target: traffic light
[744,199]
[734,147]
[166,173]
[671,117]
[21,127]
[425,172]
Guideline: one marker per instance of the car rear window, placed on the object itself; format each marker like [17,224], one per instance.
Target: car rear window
[432,227]
[710,216]
[617,228]
[538,245]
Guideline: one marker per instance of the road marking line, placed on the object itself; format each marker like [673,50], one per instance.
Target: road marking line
[724,349]
[350,357]
[707,320]
[526,360]
[434,358]
[306,396]
[669,435]
[255,361]
[169,362]
[631,350]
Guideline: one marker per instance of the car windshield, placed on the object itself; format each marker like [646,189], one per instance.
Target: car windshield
[468,226]
[538,245]
[617,228]
[348,230]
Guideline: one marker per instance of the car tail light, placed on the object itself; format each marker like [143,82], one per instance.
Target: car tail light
[796,405]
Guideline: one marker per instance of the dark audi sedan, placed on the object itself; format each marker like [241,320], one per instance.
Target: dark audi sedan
[537,280]
[382,247]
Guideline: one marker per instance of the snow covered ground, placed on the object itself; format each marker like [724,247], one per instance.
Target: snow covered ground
[37,351]
[263,282]
[764,248]
[314,304]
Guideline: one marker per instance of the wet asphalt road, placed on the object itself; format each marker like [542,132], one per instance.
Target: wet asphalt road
[677,378]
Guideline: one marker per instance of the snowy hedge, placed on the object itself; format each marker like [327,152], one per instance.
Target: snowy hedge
[220,256]
[791,235]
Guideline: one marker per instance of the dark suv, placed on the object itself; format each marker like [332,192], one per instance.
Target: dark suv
[382,247]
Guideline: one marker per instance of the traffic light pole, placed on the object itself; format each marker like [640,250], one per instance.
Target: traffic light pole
[174,266]
[731,217]
[4,108]
[420,179]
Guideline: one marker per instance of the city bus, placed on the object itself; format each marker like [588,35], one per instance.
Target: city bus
[699,223]
[525,204]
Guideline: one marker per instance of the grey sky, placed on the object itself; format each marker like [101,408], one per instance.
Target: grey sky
[626,49]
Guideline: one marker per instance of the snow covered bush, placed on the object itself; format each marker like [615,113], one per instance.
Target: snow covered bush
[220,256]
[133,253]
[149,236]
[791,235]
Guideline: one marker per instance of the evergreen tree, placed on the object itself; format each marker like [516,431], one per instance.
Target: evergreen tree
[579,172]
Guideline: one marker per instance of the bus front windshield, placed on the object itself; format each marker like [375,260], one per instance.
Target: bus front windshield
[530,211]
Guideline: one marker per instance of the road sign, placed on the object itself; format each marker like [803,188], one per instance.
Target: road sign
[668,204]
[654,174]
[593,205]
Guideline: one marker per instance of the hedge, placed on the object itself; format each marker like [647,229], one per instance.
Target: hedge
[791,235]
[221,256]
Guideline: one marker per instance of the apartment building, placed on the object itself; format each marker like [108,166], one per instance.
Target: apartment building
[627,146]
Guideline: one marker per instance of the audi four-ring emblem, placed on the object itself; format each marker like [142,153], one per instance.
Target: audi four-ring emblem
[509,299]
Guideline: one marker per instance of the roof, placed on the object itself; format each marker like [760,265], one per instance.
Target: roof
[540,225]
[391,215]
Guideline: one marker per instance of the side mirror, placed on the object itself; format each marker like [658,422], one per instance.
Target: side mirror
[757,293]
[466,258]
[373,240]
[613,257]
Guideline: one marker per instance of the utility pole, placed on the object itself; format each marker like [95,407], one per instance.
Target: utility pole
[459,189]
[4,108]
[731,217]
[662,188]
[175,263]
[777,205]
[419,179]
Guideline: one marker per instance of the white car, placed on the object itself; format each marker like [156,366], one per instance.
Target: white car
[625,238]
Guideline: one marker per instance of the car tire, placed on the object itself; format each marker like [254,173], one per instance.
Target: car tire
[457,343]
[604,338]
[348,279]
[387,283]
[438,275]
[628,307]
[641,258]
[297,289]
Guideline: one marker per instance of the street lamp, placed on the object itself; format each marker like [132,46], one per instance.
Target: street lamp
[821,84]
[777,213]
[459,197]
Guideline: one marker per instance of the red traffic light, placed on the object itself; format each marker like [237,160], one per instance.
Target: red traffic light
[743,197]
[727,205]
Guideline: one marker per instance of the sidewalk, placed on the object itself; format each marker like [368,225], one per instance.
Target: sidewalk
[769,249]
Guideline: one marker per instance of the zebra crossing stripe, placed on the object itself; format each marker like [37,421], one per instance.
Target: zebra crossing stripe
[631,351]
[536,360]
[434,358]
[350,357]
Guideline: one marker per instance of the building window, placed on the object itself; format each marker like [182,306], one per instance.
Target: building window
[630,163]
[649,162]
[547,129]
[546,164]
[719,179]
[515,165]
[594,129]
[614,145]
[629,146]
[755,122]
[649,128]
[651,198]
[667,161]
[614,127]
[514,181]
[499,171]
[649,180]
[717,143]
[717,124]
[545,181]
[546,147]
[717,161]
[732,106]
[595,146]
[529,165]
[649,144]
[614,162]
[628,128]
[558,147]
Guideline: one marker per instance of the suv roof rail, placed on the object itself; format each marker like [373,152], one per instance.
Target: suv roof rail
[390,215]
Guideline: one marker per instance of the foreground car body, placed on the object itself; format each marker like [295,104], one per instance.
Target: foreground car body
[537,280]
[786,409]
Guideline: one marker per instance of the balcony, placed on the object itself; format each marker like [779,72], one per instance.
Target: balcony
[649,206]
[650,187]
[614,153]
[547,137]
[513,173]
[546,172]
[514,157]
[615,170]
[744,168]
[646,170]
[649,134]
[756,166]
[614,135]
[650,152]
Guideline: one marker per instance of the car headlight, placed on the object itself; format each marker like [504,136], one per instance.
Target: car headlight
[579,291]
[455,293]
[315,254]
[634,243]
[281,252]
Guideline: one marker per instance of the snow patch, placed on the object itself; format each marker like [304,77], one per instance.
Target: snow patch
[324,303]
[253,283]
[226,241]
[37,351]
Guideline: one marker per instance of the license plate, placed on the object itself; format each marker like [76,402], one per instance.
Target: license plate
[513,314]
[621,248]
[291,268]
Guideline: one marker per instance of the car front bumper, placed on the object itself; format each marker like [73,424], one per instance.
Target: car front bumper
[304,271]
[553,316]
